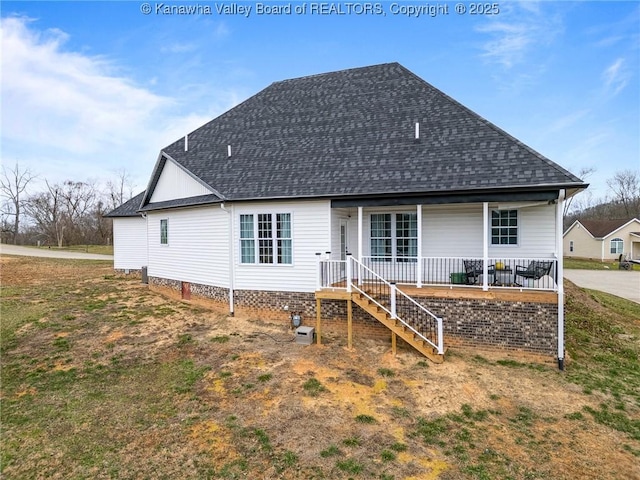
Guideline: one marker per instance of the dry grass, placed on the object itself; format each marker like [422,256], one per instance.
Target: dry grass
[103,378]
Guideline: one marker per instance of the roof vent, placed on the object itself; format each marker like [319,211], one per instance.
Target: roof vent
[417,130]
[186,143]
[228,150]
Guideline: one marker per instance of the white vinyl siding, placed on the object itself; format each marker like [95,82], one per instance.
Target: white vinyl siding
[310,223]
[456,230]
[129,243]
[174,183]
[452,230]
[536,234]
[198,249]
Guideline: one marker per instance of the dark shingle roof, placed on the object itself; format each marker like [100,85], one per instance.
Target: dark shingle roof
[352,133]
[602,228]
[182,202]
[129,208]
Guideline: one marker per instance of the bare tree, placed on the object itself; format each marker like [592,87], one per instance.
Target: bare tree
[45,209]
[13,185]
[625,187]
[584,173]
[64,211]
[119,190]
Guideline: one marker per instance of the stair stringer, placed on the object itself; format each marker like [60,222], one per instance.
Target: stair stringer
[397,327]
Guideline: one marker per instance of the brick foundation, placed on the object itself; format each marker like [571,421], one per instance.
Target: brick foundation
[129,271]
[528,326]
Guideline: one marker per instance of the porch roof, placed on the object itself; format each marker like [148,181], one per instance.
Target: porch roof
[507,195]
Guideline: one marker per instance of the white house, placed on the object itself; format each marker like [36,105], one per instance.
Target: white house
[370,186]
[129,236]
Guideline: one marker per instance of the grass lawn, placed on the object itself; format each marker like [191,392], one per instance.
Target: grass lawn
[587,264]
[100,249]
[104,378]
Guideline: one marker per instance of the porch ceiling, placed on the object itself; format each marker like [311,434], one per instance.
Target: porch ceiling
[462,197]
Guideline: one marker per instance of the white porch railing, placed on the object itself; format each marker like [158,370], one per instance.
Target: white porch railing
[510,273]
[350,274]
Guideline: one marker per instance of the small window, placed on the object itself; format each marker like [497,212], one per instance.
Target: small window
[164,231]
[571,245]
[504,227]
[617,246]
[247,241]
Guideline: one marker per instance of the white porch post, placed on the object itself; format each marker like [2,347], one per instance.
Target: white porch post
[319,280]
[560,278]
[360,233]
[394,313]
[419,266]
[485,246]
[349,272]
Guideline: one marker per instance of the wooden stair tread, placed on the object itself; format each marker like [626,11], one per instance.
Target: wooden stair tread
[397,327]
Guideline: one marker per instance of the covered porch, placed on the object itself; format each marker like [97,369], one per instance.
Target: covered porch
[495,245]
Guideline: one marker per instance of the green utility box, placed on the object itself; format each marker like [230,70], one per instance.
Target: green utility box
[458,278]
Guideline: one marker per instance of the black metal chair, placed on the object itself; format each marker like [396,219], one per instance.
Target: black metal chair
[473,269]
[535,270]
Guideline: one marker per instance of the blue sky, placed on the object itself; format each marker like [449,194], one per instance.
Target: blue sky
[89,88]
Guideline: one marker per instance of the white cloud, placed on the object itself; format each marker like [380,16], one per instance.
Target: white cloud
[178,48]
[616,76]
[69,115]
[568,120]
[519,30]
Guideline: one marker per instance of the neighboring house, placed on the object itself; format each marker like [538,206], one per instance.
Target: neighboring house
[603,239]
[318,192]
[129,236]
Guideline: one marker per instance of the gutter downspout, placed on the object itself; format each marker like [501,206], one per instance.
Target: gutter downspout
[560,278]
[231,257]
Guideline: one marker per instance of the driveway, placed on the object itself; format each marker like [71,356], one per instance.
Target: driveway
[45,252]
[623,283]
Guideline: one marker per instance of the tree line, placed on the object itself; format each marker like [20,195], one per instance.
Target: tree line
[622,200]
[72,212]
[66,213]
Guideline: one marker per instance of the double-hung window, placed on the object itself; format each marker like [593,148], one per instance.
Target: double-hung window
[617,246]
[265,238]
[394,237]
[504,227]
[164,231]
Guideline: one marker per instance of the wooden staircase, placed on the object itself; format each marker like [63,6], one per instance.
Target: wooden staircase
[396,326]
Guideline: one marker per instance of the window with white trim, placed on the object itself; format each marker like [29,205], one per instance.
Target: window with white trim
[164,231]
[394,237]
[617,245]
[571,245]
[504,227]
[265,238]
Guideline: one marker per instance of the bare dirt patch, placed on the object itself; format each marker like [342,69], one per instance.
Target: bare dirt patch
[156,387]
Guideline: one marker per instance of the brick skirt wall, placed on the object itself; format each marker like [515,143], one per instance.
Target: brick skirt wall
[519,325]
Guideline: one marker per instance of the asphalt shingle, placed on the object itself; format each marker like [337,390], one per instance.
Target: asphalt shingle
[352,133]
